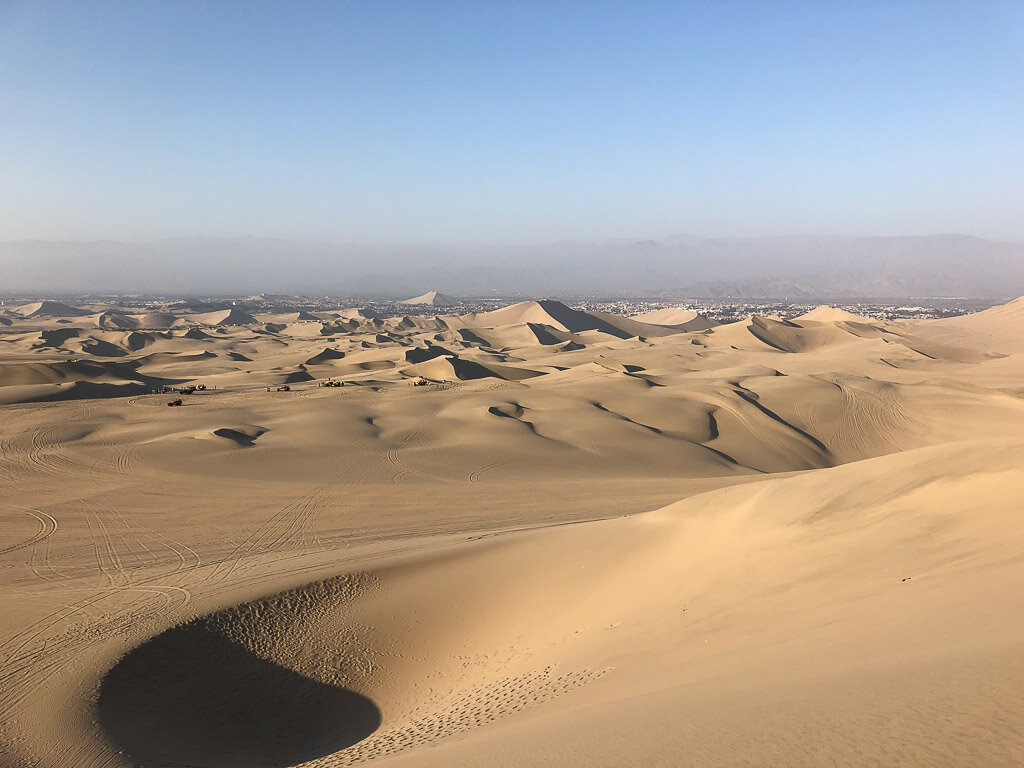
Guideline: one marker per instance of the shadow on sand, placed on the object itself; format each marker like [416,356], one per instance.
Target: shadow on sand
[190,697]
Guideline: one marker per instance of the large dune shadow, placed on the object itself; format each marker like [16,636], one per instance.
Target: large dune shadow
[191,697]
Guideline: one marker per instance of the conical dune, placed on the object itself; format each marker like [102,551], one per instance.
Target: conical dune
[432,298]
[49,309]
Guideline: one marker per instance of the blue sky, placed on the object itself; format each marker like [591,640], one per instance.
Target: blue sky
[491,121]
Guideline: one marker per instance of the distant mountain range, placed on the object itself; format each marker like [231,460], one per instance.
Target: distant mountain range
[777,267]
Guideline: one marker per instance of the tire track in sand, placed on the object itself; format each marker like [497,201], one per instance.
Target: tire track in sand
[47,527]
[474,476]
[126,606]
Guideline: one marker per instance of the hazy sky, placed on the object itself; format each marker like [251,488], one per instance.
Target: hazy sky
[509,121]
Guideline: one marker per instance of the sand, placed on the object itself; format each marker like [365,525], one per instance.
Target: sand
[583,540]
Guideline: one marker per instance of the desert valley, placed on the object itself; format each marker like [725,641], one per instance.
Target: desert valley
[529,536]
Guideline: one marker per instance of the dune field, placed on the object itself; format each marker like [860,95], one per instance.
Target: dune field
[535,536]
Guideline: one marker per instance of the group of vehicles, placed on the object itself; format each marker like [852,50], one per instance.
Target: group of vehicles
[188,390]
[191,388]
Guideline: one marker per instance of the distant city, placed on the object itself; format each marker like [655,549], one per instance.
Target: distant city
[719,310]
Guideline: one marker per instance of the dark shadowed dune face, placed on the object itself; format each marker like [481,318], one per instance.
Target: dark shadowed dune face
[242,435]
[192,697]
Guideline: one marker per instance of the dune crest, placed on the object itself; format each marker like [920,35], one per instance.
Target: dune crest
[433,298]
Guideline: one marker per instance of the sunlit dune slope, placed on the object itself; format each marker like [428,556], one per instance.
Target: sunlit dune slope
[803,594]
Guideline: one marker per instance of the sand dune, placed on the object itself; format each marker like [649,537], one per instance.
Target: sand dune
[433,298]
[326,356]
[158,320]
[559,317]
[764,543]
[682,319]
[448,367]
[664,606]
[667,316]
[828,314]
[806,335]
[355,313]
[137,340]
[101,348]
[115,321]
[49,373]
[995,331]
[429,352]
[287,318]
[49,309]
[223,317]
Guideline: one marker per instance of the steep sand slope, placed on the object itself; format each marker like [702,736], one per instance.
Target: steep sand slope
[781,623]
[433,298]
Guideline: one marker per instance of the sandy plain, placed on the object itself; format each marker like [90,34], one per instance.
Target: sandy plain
[587,540]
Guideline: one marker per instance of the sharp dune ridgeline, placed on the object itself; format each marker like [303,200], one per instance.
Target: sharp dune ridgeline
[433,298]
[530,536]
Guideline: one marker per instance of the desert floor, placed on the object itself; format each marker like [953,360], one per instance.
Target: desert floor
[585,540]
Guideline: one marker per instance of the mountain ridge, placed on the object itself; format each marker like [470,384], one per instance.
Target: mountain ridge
[742,267]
